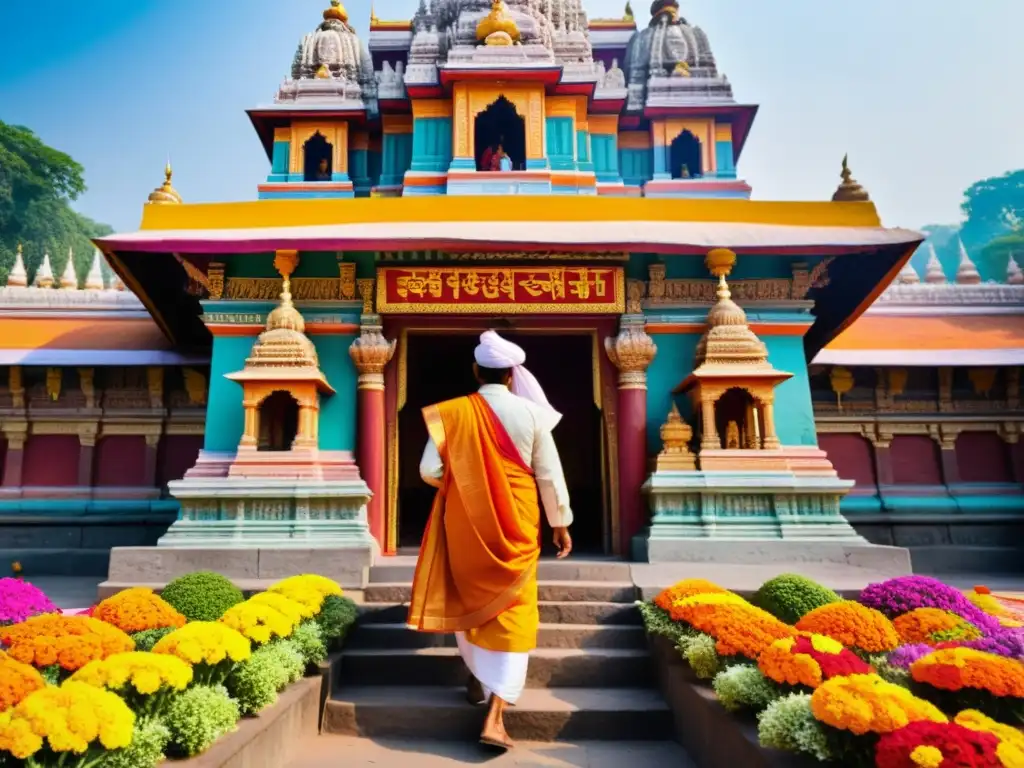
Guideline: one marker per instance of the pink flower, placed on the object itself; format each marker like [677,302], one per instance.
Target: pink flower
[20,600]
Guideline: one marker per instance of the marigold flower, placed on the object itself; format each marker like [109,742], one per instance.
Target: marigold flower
[146,673]
[295,611]
[70,718]
[868,704]
[17,681]
[205,642]
[932,626]
[70,641]
[684,589]
[853,625]
[310,599]
[953,669]
[936,745]
[137,610]
[258,622]
[1011,740]
[808,660]
[312,581]
[739,628]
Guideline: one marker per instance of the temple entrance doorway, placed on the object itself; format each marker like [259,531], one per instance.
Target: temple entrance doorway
[500,125]
[685,157]
[439,368]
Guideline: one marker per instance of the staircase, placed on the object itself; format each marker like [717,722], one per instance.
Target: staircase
[591,678]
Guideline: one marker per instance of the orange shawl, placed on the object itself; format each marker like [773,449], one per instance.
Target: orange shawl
[477,570]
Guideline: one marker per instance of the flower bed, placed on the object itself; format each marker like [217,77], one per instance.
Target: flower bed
[139,678]
[913,674]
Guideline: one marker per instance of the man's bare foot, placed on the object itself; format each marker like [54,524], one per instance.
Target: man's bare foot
[494,733]
[475,691]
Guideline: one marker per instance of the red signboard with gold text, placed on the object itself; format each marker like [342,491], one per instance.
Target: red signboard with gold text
[501,290]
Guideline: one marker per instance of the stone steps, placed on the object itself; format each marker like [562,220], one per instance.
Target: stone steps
[547,592]
[395,636]
[548,668]
[551,612]
[551,714]
[400,570]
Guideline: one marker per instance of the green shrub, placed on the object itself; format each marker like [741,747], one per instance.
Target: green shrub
[657,621]
[337,616]
[744,687]
[146,750]
[788,724]
[145,640]
[790,597]
[702,656]
[255,682]
[287,656]
[308,639]
[202,596]
[198,717]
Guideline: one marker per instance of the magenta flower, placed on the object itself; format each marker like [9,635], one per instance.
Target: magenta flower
[20,600]
[907,593]
[906,655]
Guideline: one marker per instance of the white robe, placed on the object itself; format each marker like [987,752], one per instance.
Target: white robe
[504,673]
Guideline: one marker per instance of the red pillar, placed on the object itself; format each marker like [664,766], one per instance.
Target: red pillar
[371,353]
[631,352]
[15,460]
[86,453]
[152,451]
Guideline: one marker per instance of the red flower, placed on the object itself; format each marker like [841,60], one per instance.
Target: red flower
[832,664]
[960,747]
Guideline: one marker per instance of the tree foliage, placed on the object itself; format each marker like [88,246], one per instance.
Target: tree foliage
[993,208]
[37,185]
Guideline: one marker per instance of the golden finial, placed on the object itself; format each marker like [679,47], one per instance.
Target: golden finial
[496,28]
[629,12]
[165,194]
[850,191]
[373,15]
[336,12]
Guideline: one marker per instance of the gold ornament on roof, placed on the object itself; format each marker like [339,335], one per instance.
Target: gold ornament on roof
[676,436]
[165,194]
[497,28]
[324,73]
[628,15]
[336,12]
[682,70]
[850,191]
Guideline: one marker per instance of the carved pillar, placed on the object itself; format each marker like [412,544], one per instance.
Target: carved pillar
[771,438]
[86,452]
[946,438]
[16,435]
[709,438]
[250,434]
[881,444]
[631,352]
[152,451]
[371,353]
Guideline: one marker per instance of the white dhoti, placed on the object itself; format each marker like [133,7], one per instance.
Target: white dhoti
[499,672]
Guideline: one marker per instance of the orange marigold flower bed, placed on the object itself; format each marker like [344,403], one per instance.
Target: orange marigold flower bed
[684,589]
[932,626]
[852,624]
[739,628]
[70,641]
[809,660]
[137,610]
[953,669]
[17,681]
[868,704]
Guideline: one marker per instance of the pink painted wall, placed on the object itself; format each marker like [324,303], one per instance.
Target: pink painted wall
[178,454]
[982,457]
[3,457]
[852,457]
[120,460]
[915,460]
[51,460]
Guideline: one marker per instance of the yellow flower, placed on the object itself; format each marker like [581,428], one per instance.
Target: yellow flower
[868,704]
[145,672]
[312,581]
[716,598]
[823,644]
[927,757]
[260,623]
[205,642]
[294,610]
[309,599]
[17,737]
[1011,741]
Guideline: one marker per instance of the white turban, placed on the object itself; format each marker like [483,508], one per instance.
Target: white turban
[498,353]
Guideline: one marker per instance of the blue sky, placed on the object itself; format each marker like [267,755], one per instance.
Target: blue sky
[919,92]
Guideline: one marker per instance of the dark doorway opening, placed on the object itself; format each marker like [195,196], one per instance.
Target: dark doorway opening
[500,125]
[279,422]
[685,157]
[738,420]
[318,154]
[439,368]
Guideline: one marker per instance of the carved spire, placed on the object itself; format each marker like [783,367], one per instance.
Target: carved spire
[18,276]
[850,191]
[908,275]
[676,436]
[1014,275]
[44,275]
[966,272]
[933,272]
[165,194]
[69,280]
[94,280]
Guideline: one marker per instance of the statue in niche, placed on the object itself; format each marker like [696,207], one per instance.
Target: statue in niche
[732,436]
[684,172]
[323,171]
[615,78]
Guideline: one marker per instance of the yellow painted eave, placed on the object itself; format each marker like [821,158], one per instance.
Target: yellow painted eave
[260,214]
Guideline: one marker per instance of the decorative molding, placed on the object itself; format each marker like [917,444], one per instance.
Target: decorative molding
[178,428]
[661,291]
[108,429]
[443,256]
[269,289]
[881,432]
[934,295]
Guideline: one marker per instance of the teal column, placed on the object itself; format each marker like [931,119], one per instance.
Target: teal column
[358,167]
[724,159]
[225,416]
[606,157]
[561,143]
[397,158]
[660,157]
[636,166]
[431,144]
[338,411]
[280,157]
[585,161]
[374,162]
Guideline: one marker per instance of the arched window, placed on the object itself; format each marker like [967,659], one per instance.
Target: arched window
[685,157]
[318,154]
[279,422]
[500,127]
[739,420]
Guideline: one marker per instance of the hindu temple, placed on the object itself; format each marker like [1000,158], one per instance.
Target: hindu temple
[732,372]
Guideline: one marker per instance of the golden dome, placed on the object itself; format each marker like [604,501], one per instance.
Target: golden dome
[496,28]
[728,339]
[336,12]
[850,191]
[165,194]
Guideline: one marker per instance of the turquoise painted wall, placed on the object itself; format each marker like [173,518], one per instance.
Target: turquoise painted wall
[724,159]
[561,143]
[794,411]
[359,172]
[397,158]
[374,162]
[431,144]
[225,418]
[636,166]
[670,366]
[606,157]
[338,411]
[586,162]
[279,161]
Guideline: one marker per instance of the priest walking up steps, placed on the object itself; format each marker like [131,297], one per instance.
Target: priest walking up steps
[493,460]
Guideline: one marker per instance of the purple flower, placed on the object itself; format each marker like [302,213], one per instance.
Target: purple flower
[20,600]
[906,655]
[907,593]
[1009,644]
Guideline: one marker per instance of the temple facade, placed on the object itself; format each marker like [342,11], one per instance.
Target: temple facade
[697,342]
